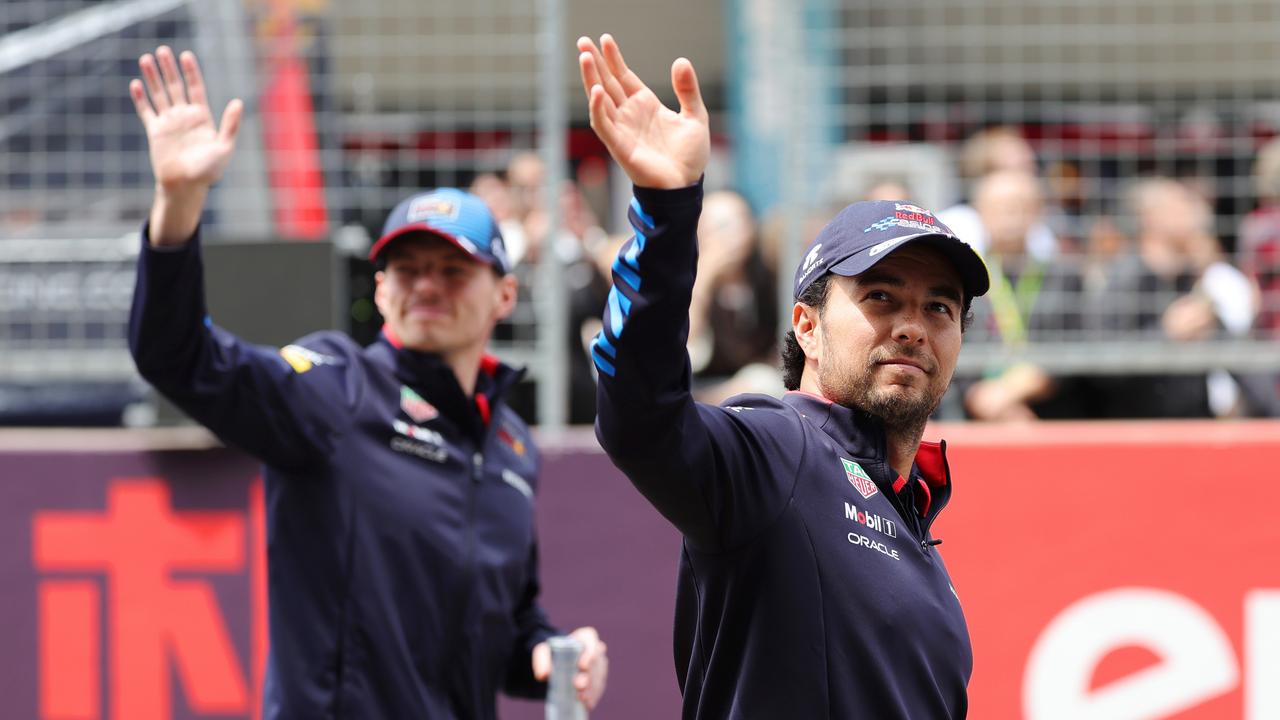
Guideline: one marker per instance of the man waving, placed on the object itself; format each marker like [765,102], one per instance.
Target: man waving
[810,585]
[403,563]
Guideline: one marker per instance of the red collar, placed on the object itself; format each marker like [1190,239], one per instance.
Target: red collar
[932,464]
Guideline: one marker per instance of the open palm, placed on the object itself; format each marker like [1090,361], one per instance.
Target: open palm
[657,147]
[187,149]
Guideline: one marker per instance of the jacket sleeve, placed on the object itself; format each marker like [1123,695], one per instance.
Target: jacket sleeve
[532,627]
[250,396]
[719,474]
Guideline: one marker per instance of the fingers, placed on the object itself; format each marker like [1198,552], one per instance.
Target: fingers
[606,78]
[541,661]
[230,124]
[591,646]
[600,108]
[685,82]
[593,666]
[591,690]
[155,88]
[628,80]
[587,66]
[590,71]
[195,79]
[172,76]
[600,105]
[140,102]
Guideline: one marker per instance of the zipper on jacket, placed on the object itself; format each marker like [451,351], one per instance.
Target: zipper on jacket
[472,571]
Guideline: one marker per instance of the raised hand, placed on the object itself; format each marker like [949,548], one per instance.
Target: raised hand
[188,152]
[658,148]
[186,148]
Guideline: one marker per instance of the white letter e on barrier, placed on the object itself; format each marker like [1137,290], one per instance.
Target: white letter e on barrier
[1198,662]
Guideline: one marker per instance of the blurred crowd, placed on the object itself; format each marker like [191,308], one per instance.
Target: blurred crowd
[1149,269]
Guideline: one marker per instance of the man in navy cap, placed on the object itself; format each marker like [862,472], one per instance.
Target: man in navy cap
[403,565]
[810,585]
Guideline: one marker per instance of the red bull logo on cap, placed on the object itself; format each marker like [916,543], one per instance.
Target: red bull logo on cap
[433,206]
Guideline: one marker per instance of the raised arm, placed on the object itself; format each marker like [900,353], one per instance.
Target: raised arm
[188,152]
[284,412]
[711,471]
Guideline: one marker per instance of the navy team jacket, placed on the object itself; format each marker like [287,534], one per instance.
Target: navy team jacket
[808,586]
[401,552]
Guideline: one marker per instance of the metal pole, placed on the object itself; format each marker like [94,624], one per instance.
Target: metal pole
[240,201]
[553,358]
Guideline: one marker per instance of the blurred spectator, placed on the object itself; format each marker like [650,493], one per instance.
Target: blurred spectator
[733,319]
[578,243]
[1066,209]
[1259,256]
[525,176]
[1030,299]
[593,183]
[994,149]
[1175,286]
[887,188]
[494,192]
[999,150]
[1259,239]
[1104,242]
[525,224]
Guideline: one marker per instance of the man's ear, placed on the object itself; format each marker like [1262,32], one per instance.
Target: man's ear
[804,323]
[506,289]
[379,280]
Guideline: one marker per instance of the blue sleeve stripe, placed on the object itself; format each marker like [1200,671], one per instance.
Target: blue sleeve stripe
[602,344]
[645,217]
[626,267]
[615,312]
[602,365]
[626,274]
[632,255]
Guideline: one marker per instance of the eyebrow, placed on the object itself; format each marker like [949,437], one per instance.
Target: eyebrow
[879,277]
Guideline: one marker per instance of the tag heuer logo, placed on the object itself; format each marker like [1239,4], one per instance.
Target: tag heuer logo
[859,478]
[415,407]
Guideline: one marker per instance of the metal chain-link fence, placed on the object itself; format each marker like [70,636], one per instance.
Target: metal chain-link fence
[1109,98]
[350,107]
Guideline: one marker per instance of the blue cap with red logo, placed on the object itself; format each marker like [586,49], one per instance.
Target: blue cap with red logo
[865,233]
[449,213]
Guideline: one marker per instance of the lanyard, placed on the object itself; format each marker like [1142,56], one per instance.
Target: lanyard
[1012,302]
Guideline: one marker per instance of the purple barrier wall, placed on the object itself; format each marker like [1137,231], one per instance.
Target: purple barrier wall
[131,580]
[133,587]
[609,560]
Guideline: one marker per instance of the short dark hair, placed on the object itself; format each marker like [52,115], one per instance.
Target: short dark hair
[815,295]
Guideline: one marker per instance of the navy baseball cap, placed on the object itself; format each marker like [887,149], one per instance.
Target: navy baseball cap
[867,232]
[459,217]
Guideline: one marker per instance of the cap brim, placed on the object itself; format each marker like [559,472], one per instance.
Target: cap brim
[416,228]
[967,262]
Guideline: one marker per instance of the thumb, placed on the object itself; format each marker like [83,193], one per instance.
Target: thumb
[231,121]
[685,82]
[541,661]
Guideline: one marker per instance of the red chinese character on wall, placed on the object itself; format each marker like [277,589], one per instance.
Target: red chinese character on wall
[157,626]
